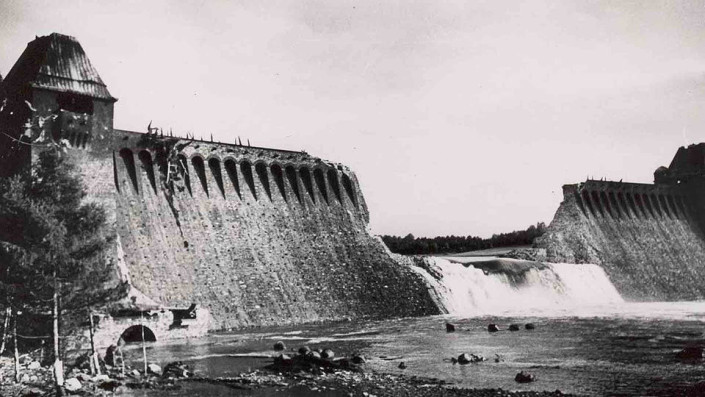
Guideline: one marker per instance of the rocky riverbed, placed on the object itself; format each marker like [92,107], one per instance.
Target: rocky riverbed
[299,374]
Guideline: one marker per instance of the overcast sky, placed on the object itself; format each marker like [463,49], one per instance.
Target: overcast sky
[459,117]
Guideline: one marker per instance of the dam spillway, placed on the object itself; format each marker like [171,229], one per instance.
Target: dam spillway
[508,287]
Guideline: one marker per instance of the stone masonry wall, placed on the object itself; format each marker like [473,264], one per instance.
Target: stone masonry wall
[645,236]
[276,250]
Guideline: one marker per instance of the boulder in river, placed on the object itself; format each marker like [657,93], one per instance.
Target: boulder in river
[327,354]
[492,328]
[358,359]
[469,358]
[72,384]
[690,353]
[154,369]
[279,346]
[524,377]
[402,365]
[450,327]
[514,327]
[176,369]
[529,326]
[304,350]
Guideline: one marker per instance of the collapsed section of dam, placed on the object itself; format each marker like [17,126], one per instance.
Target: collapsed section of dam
[648,237]
[207,235]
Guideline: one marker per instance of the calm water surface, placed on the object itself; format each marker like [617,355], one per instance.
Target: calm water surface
[622,349]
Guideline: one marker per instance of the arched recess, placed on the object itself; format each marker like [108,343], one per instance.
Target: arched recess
[214,165]
[578,201]
[200,168]
[115,174]
[134,333]
[596,202]
[182,163]
[632,205]
[663,204]
[641,205]
[261,170]
[162,165]
[621,204]
[246,169]
[334,184]
[321,183]
[293,181]
[614,206]
[348,186]
[231,169]
[128,160]
[606,204]
[680,201]
[655,205]
[674,208]
[146,160]
[278,175]
[308,183]
[647,205]
[588,202]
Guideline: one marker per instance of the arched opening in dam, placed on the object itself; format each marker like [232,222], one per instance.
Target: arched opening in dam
[128,160]
[261,170]
[334,184]
[278,175]
[148,166]
[134,333]
[199,166]
[347,184]
[293,181]
[306,180]
[246,169]
[231,169]
[214,165]
[321,183]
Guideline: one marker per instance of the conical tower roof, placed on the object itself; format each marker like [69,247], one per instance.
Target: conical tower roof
[57,63]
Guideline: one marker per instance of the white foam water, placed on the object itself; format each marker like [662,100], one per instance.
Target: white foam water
[556,289]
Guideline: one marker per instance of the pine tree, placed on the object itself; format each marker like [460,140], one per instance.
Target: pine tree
[52,244]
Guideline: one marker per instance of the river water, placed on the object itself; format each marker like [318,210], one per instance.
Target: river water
[587,340]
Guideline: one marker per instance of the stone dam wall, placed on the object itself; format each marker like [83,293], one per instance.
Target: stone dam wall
[252,236]
[646,237]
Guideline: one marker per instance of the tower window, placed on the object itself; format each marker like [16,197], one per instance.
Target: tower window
[75,103]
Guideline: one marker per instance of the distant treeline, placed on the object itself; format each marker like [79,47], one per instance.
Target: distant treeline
[411,245]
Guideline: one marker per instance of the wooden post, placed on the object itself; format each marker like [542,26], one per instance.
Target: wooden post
[8,314]
[58,365]
[95,363]
[144,347]
[14,343]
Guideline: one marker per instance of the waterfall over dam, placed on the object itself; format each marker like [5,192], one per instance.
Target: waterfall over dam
[514,287]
